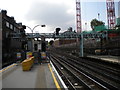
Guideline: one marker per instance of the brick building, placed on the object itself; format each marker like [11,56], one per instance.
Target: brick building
[65,41]
[61,42]
[10,45]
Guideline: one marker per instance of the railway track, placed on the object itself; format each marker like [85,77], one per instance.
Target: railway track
[78,79]
[87,75]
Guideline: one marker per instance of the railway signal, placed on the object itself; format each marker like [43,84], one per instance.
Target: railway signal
[57,31]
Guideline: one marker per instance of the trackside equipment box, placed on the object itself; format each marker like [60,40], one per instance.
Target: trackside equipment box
[43,55]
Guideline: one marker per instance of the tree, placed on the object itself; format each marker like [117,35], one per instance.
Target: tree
[95,22]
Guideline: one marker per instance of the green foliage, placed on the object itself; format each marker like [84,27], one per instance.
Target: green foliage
[95,22]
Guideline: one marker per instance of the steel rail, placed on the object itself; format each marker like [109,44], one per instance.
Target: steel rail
[93,81]
[74,75]
[96,64]
[99,80]
[66,80]
[98,70]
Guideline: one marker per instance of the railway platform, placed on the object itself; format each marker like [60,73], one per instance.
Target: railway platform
[42,76]
[106,58]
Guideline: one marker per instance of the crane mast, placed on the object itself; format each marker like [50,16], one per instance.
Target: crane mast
[110,14]
[78,16]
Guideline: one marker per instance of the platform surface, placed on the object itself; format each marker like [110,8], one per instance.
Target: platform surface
[108,58]
[39,76]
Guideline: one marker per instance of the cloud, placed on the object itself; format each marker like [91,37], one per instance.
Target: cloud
[86,25]
[96,0]
[51,14]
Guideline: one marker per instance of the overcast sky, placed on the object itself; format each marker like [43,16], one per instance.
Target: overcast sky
[54,13]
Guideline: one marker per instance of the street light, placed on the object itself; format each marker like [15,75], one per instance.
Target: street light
[32,29]
[35,27]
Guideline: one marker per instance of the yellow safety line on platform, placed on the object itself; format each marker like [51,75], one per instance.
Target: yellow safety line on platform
[8,68]
[55,81]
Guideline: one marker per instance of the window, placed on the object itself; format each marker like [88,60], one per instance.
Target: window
[11,26]
[7,24]
[14,28]
[18,31]
[6,34]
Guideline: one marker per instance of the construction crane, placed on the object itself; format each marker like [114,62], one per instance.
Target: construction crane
[110,14]
[78,16]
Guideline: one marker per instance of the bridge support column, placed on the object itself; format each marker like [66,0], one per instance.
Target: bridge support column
[81,45]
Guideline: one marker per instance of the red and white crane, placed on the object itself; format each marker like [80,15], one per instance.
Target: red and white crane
[111,14]
[78,16]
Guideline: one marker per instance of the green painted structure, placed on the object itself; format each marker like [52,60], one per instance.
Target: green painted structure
[100,28]
[118,21]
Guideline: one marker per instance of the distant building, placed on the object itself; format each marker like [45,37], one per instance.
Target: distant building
[8,26]
[65,41]
[119,9]
[62,42]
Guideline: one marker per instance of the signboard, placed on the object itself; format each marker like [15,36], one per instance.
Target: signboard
[43,55]
[18,55]
[28,55]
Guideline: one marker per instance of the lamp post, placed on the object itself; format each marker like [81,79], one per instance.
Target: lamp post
[32,29]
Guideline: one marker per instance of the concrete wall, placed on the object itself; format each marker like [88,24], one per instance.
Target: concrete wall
[64,42]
